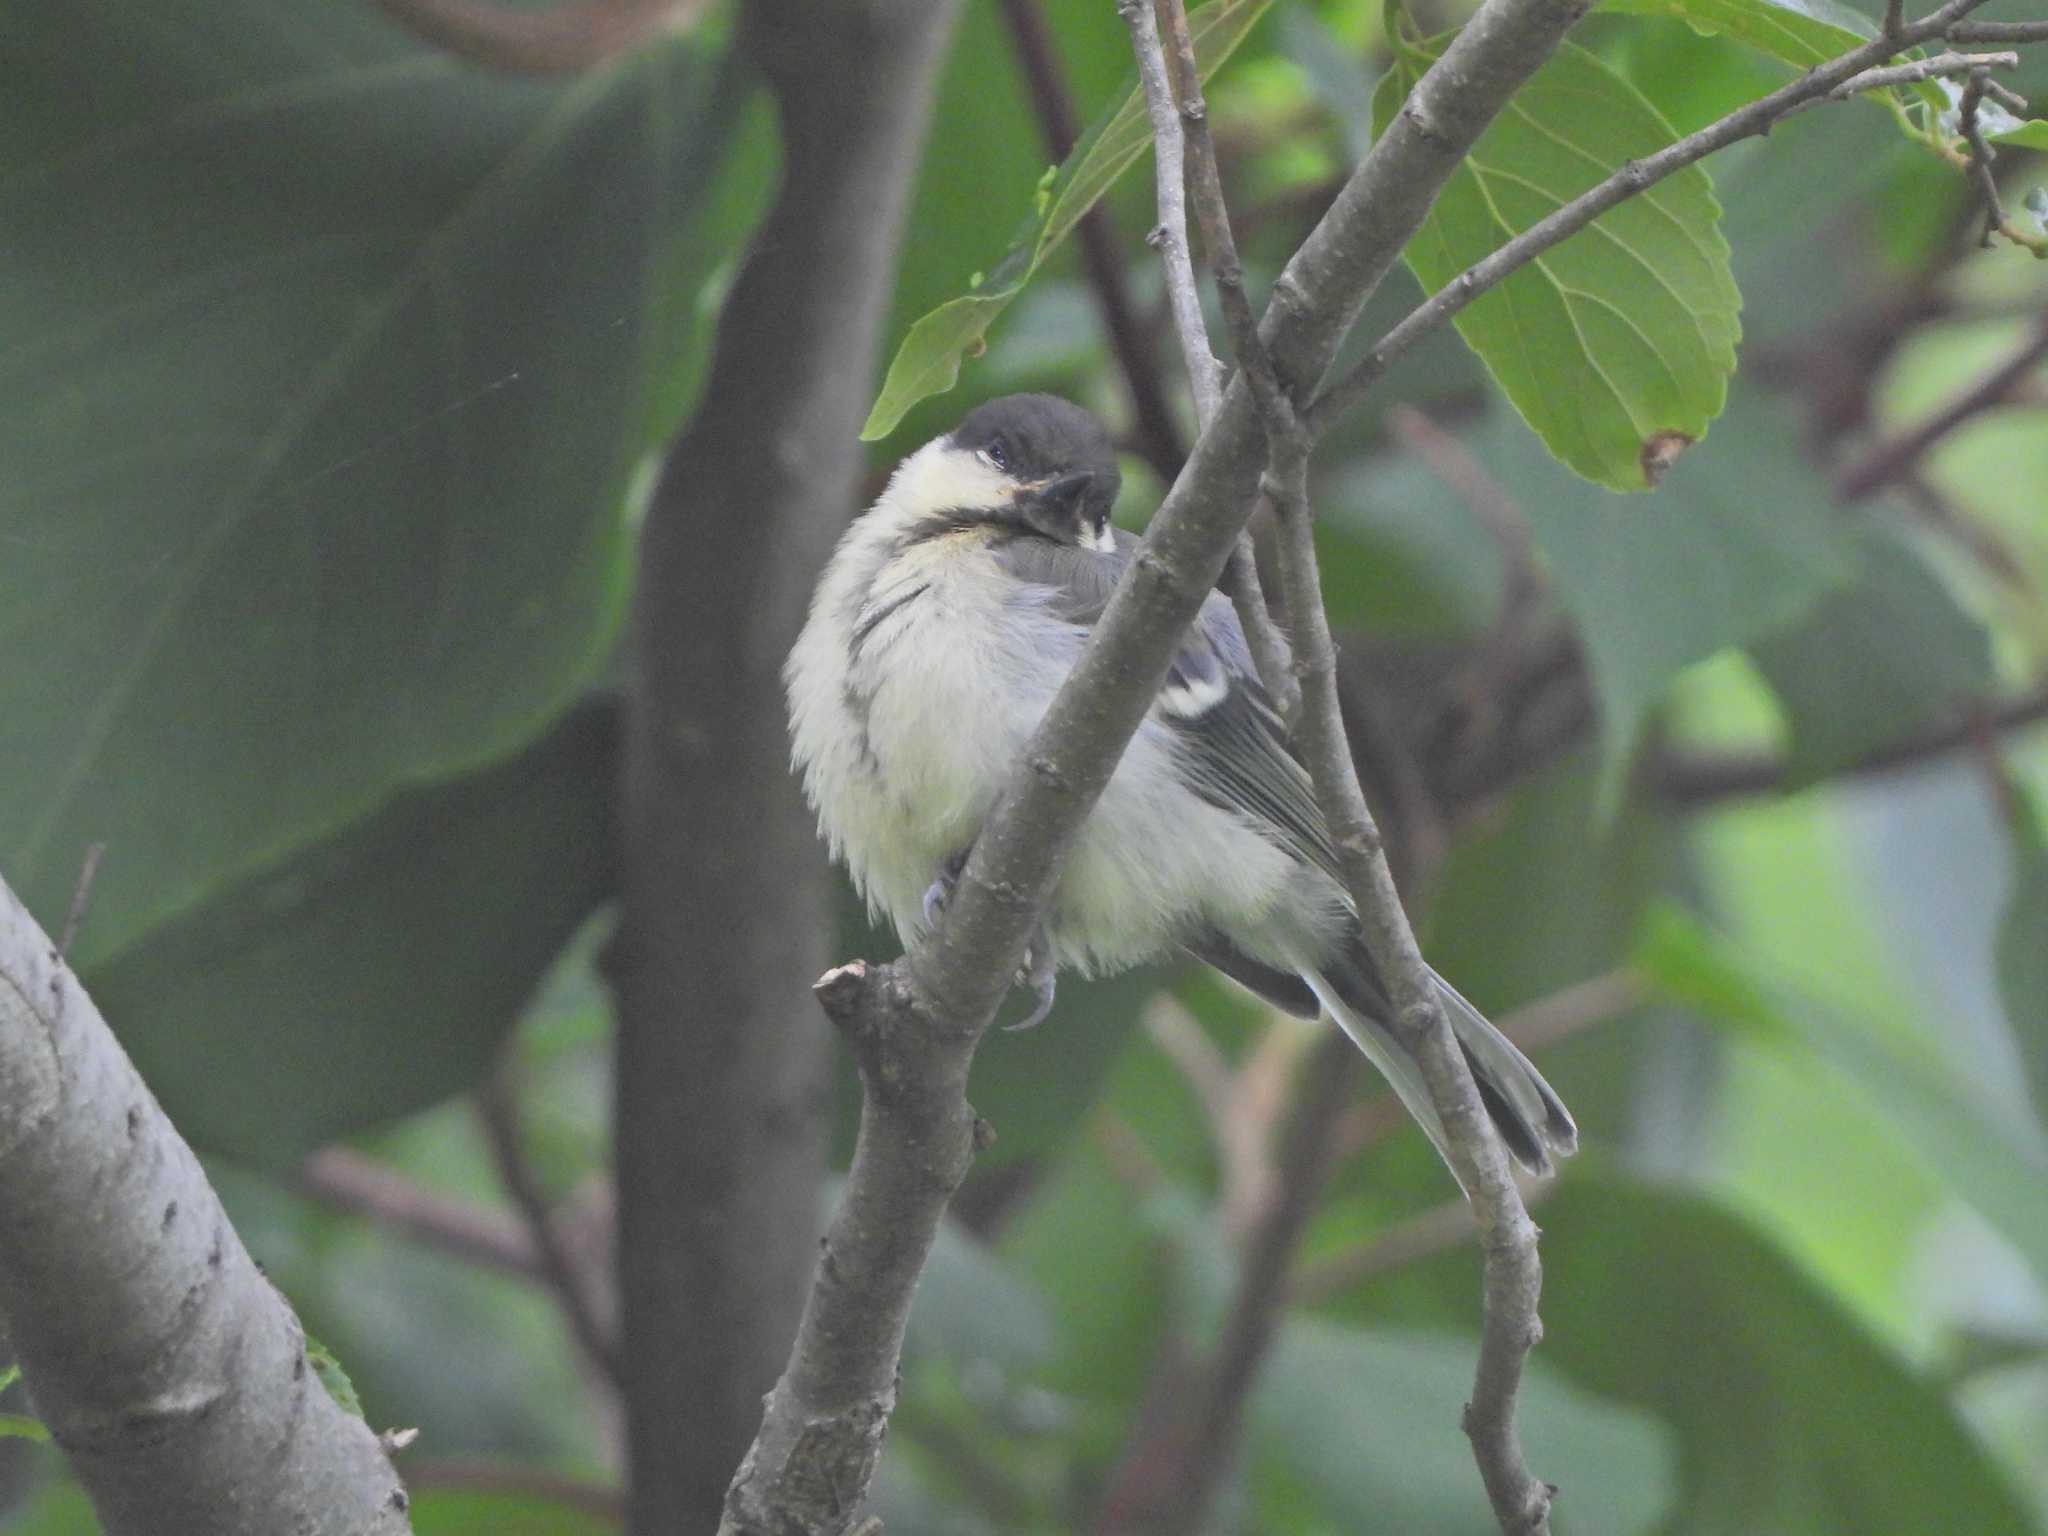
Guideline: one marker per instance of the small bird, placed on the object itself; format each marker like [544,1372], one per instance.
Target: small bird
[943,625]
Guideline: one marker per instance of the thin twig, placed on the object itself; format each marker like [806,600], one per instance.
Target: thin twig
[81,899]
[1169,235]
[1510,1325]
[1923,69]
[1892,459]
[574,36]
[1692,781]
[1758,117]
[1422,1236]
[1998,32]
[1157,435]
[1173,54]
[590,1315]
[347,1180]
[1982,155]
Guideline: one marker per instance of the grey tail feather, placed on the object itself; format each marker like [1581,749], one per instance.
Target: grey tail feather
[1531,1119]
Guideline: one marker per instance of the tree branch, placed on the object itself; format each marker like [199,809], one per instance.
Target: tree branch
[916,1022]
[1892,459]
[569,37]
[722,1078]
[1169,236]
[169,1371]
[1836,79]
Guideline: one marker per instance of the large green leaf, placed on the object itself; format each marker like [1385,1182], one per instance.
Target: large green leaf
[928,360]
[1621,339]
[330,362]
[1876,661]
[1789,1418]
[2022,953]
[1802,33]
[1913,1094]
[370,974]
[1739,541]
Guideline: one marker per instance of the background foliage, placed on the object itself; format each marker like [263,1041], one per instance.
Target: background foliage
[335,367]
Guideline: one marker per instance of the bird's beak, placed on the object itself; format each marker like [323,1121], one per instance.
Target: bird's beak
[1062,493]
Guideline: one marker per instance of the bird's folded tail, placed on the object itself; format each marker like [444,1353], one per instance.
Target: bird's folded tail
[1530,1117]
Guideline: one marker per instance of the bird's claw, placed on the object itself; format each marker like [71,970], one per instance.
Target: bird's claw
[1041,974]
[940,891]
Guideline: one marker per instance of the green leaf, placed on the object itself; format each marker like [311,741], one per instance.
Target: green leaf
[1875,661]
[333,1376]
[1368,1421]
[329,368]
[2022,954]
[928,361]
[2032,134]
[1802,33]
[1621,339]
[1740,540]
[1911,1092]
[1790,1418]
[376,972]
[19,1426]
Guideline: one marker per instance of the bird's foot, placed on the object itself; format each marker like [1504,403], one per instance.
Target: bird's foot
[1040,973]
[940,891]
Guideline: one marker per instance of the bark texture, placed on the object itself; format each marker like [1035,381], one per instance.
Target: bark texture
[169,1371]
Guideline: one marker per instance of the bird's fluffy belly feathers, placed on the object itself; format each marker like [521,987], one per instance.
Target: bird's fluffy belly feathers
[905,737]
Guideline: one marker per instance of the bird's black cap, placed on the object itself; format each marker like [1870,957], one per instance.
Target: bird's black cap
[1039,437]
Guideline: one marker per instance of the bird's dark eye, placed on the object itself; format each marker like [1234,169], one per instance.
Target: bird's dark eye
[997,455]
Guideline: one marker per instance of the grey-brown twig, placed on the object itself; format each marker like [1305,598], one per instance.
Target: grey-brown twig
[350,1181]
[1157,436]
[1998,32]
[1513,1283]
[1758,117]
[1170,235]
[583,1289]
[1893,458]
[1981,154]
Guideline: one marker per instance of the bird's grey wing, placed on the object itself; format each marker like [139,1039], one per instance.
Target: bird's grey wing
[1233,742]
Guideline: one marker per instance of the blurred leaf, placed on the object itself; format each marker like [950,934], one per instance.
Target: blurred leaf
[1624,334]
[61,1509]
[928,360]
[974,1307]
[375,972]
[331,361]
[1912,1093]
[333,1377]
[2022,949]
[19,1426]
[2032,134]
[475,1512]
[1692,84]
[1876,661]
[1802,33]
[1739,540]
[1368,1419]
[1336,74]
[1789,1418]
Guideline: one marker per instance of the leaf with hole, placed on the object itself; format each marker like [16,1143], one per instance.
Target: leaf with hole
[1615,345]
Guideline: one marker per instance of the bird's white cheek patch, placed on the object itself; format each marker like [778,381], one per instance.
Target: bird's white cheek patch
[1192,700]
[1104,539]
